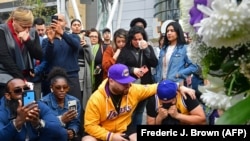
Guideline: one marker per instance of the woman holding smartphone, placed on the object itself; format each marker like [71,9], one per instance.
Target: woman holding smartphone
[65,106]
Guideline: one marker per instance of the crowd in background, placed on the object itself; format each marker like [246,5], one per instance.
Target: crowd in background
[111,77]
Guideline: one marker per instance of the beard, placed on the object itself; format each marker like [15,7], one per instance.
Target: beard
[12,105]
[118,91]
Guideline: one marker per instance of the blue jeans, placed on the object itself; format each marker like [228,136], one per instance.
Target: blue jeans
[196,81]
[138,113]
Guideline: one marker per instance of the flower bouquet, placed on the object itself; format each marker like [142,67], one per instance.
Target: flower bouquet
[220,30]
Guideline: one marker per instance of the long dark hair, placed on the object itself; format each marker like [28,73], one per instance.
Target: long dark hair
[134,30]
[180,34]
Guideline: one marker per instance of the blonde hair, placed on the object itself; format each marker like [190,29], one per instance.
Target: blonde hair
[23,15]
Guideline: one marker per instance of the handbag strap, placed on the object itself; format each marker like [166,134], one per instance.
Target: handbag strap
[141,57]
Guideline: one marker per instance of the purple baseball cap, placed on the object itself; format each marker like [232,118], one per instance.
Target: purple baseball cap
[120,73]
[166,90]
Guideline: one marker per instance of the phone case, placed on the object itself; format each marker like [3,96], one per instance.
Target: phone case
[97,71]
[54,17]
[72,105]
[28,97]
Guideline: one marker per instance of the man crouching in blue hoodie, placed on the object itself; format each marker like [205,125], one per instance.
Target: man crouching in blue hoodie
[32,122]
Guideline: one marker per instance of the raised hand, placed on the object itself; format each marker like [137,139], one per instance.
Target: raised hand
[23,113]
[34,116]
[50,34]
[57,27]
[24,35]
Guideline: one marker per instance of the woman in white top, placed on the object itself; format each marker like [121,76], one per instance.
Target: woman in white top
[174,63]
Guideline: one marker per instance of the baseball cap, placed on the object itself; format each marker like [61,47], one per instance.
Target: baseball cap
[120,73]
[166,90]
[105,30]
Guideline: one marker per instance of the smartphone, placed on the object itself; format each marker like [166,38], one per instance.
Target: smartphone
[29,96]
[97,71]
[144,69]
[54,17]
[72,105]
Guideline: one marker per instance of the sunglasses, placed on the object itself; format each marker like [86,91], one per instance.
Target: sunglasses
[20,90]
[61,87]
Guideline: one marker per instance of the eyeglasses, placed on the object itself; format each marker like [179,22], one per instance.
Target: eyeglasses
[19,90]
[93,36]
[62,87]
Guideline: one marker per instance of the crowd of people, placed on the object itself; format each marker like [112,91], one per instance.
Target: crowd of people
[92,85]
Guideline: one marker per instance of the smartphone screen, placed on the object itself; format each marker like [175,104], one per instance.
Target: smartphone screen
[28,97]
[54,17]
[72,105]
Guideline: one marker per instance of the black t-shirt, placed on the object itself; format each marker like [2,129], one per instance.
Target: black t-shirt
[152,110]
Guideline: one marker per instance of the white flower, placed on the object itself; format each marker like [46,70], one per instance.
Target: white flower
[216,85]
[196,51]
[227,23]
[213,95]
[216,100]
[245,69]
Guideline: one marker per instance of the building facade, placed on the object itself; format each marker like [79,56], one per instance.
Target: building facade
[155,12]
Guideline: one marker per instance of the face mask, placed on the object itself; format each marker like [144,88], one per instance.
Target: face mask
[166,105]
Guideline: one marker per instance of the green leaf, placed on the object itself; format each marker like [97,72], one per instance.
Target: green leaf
[237,114]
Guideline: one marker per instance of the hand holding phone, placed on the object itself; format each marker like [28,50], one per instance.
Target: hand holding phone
[54,18]
[28,97]
[144,69]
[72,105]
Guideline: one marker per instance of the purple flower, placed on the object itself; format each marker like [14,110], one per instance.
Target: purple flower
[195,14]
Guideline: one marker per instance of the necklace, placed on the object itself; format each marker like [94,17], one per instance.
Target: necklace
[116,99]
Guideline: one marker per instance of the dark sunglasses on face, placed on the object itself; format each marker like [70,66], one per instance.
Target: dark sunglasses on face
[20,90]
[62,87]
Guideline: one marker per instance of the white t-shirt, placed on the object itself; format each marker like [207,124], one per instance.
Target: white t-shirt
[165,61]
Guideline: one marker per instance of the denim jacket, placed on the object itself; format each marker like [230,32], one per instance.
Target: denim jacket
[50,100]
[178,64]
[52,130]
